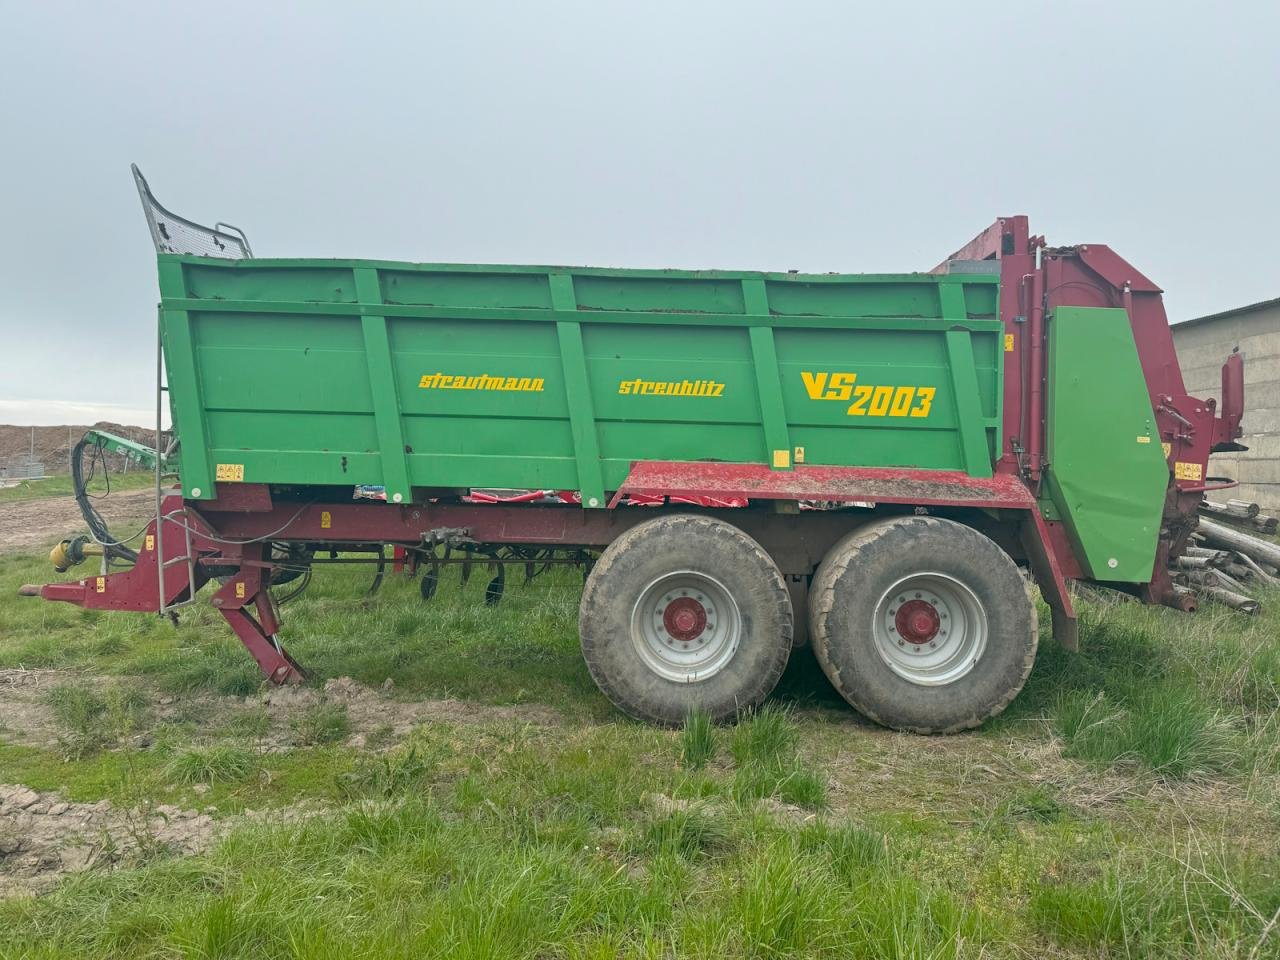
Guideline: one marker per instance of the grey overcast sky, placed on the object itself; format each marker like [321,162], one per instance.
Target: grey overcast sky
[811,135]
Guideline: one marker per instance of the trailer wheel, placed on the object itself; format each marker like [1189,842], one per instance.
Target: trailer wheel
[922,624]
[685,612]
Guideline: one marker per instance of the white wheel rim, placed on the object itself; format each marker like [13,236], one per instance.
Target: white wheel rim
[930,629]
[686,626]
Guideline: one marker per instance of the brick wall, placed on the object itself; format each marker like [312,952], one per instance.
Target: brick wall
[1202,347]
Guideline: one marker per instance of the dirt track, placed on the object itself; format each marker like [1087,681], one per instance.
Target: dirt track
[33,523]
[43,836]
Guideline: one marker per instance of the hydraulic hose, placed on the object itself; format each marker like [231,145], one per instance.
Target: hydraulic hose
[80,481]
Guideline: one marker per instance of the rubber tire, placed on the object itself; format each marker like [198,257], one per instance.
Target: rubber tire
[704,545]
[858,570]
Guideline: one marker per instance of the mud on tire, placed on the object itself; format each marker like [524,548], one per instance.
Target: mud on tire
[923,624]
[685,612]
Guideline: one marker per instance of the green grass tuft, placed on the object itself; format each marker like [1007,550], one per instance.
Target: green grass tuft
[852,850]
[1083,914]
[395,773]
[321,723]
[697,740]
[686,833]
[215,763]
[1180,737]
[789,781]
[765,736]
[93,720]
[1169,729]
[1039,804]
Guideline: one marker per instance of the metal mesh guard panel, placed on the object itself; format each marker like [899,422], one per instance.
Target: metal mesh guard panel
[174,234]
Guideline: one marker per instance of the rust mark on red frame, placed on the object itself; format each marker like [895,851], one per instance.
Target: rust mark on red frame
[878,484]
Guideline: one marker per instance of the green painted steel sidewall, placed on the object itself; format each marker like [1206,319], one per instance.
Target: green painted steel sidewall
[1107,473]
[346,372]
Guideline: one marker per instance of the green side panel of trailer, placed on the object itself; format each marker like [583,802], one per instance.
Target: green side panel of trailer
[1107,473]
[321,372]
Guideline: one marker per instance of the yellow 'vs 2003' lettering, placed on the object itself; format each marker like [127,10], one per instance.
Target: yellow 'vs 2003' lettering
[869,401]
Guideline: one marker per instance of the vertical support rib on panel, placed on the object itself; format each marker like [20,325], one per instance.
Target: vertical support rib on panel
[185,396]
[582,418]
[382,385]
[764,355]
[970,425]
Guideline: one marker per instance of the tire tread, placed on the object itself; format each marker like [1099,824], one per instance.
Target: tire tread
[677,526]
[823,599]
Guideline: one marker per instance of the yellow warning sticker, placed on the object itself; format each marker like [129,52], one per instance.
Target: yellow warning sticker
[1008,343]
[799,455]
[1187,471]
[239,590]
[781,459]
[100,584]
[150,542]
[229,473]
[1144,439]
[326,519]
[1167,448]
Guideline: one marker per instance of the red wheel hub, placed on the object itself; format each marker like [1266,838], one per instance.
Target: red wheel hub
[917,621]
[684,619]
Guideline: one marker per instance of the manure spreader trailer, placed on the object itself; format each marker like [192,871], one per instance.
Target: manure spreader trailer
[882,464]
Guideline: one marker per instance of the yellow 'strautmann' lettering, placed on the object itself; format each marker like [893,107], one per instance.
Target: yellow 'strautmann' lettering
[483,381]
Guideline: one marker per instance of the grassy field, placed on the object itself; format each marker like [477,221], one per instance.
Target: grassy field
[488,802]
[60,486]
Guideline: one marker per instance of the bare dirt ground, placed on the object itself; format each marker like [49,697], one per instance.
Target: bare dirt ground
[26,717]
[376,711]
[32,523]
[52,445]
[43,837]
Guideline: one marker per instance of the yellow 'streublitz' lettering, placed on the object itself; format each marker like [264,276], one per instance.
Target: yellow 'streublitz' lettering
[483,381]
[671,388]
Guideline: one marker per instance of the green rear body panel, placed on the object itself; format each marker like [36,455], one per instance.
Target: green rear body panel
[1107,473]
[422,375]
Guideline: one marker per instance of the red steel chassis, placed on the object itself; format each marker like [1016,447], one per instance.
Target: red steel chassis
[190,543]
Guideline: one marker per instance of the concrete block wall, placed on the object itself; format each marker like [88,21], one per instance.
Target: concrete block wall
[1202,348]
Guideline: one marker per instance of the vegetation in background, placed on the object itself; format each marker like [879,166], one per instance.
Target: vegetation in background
[60,486]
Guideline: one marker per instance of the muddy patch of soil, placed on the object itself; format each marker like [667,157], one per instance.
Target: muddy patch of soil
[25,715]
[43,837]
[374,715]
[373,711]
[32,523]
